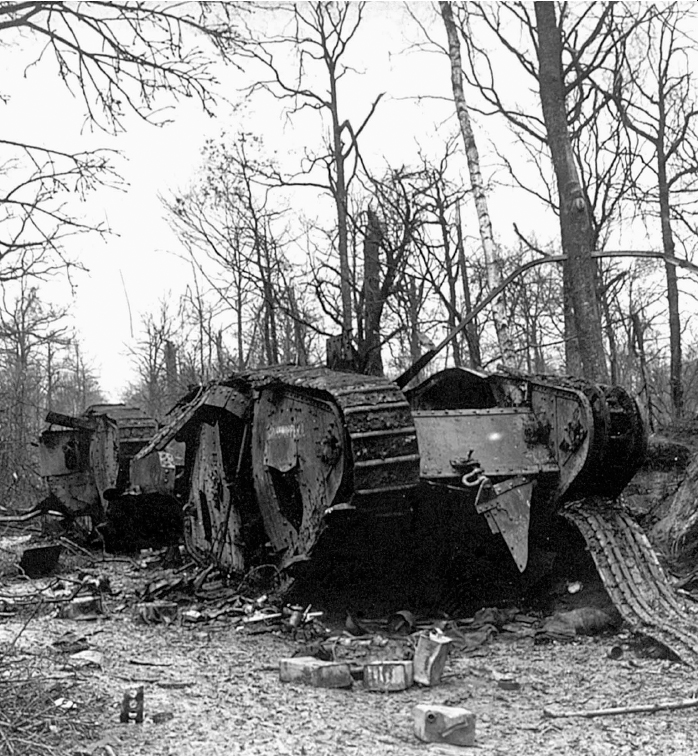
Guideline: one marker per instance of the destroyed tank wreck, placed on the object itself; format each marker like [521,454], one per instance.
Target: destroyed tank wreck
[83,458]
[281,449]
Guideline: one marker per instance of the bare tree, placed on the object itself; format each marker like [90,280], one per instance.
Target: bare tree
[33,335]
[320,35]
[117,58]
[150,357]
[563,131]
[235,237]
[655,95]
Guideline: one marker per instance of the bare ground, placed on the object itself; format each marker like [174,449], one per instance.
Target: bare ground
[214,689]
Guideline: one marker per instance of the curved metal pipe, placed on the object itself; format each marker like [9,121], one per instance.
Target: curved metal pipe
[403,379]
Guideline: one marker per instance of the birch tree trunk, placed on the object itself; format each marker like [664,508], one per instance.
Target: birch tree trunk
[494,277]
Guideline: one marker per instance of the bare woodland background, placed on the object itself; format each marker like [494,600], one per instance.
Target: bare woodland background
[588,108]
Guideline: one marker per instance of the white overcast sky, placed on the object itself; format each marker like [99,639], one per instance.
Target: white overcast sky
[143,251]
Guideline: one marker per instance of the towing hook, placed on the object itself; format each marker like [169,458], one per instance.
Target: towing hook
[474,478]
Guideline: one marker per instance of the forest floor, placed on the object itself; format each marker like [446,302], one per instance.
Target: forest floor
[212,687]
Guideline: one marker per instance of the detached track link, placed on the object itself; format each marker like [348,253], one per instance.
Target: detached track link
[633,577]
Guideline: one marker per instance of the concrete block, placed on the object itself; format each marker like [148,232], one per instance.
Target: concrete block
[311,671]
[444,724]
[386,676]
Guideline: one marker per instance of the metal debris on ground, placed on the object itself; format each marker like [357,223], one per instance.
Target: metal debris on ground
[132,706]
[402,622]
[444,724]
[505,681]
[388,676]
[430,657]
[81,608]
[155,612]
[566,626]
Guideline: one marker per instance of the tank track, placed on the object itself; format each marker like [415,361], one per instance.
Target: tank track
[633,576]
[378,421]
[620,437]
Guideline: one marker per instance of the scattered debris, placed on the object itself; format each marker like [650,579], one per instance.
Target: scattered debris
[70,643]
[403,622]
[132,706]
[161,717]
[312,671]
[354,627]
[156,612]
[81,608]
[444,724]
[505,681]
[387,676]
[430,657]
[65,703]
[587,620]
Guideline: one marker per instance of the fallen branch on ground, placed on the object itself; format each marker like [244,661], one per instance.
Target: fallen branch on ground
[685,703]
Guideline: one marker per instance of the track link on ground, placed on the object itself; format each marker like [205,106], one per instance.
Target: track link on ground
[633,576]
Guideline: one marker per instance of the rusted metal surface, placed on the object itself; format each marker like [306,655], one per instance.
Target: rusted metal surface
[226,396]
[298,463]
[497,438]
[212,522]
[78,465]
[508,513]
[304,435]
[155,472]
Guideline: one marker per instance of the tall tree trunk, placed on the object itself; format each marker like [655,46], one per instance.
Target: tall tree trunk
[610,336]
[494,278]
[575,222]
[298,329]
[413,307]
[675,358]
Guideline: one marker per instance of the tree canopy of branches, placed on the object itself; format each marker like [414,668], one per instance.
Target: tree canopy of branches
[304,67]
[117,59]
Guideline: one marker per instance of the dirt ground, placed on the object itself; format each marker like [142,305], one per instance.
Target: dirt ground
[213,688]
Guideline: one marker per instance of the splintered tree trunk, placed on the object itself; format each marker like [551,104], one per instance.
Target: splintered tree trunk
[494,278]
[370,348]
[171,381]
[471,335]
[340,199]
[676,533]
[575,223]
